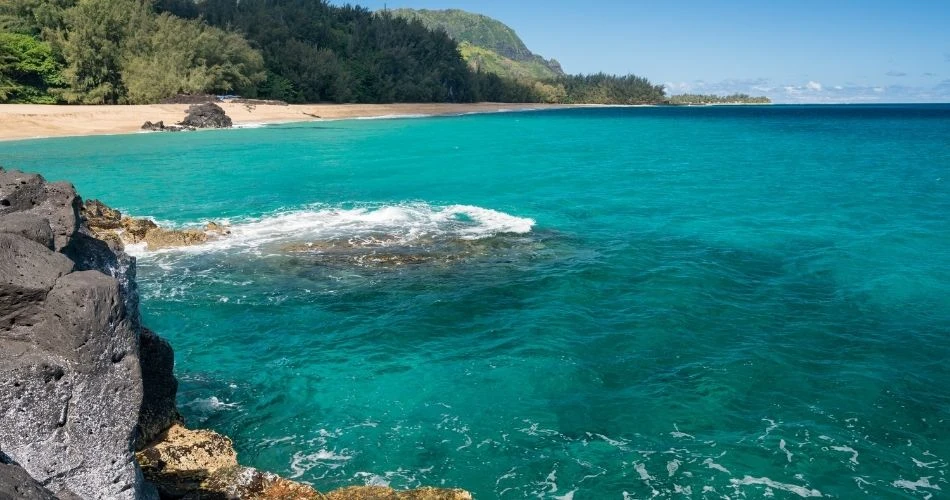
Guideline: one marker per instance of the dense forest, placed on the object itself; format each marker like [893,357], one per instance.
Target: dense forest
[141,51]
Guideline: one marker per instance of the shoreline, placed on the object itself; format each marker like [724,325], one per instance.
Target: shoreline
[45,121]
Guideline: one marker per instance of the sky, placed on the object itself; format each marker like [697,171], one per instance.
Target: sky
[791,51]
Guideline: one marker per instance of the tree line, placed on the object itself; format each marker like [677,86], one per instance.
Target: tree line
[718,99]
[299,51]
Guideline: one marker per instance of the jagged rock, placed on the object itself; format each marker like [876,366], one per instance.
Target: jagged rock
[97,215]
[384,493]
[161,127]
[181,460]
[135,229]
[206,115]
[15,483]
[159,238]
[56,202]
[160,387]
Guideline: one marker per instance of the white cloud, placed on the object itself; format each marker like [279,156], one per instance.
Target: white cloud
[813,85]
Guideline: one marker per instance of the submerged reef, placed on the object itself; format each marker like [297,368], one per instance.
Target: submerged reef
[87,393]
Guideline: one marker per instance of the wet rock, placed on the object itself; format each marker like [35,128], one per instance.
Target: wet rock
[135,229]
[161,127]
[252,484]
[207,115]
[97,215]
[158,238]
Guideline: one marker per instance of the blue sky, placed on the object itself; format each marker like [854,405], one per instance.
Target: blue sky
[792,51]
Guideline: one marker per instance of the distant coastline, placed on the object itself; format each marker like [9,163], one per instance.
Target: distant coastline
[36,121]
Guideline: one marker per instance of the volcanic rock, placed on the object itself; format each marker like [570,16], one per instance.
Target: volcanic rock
[207,115]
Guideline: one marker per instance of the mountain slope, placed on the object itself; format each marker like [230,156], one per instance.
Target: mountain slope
[487,44]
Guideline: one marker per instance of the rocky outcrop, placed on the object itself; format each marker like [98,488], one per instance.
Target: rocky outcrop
[203,113]
[207,115]
[116,230]
[184,461]
[83,383]
[70,383]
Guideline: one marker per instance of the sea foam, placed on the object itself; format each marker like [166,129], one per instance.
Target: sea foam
[372,226]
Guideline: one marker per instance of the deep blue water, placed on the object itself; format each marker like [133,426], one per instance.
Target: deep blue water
[595,303]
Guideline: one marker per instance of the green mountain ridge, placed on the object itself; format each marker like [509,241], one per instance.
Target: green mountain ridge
[486,44]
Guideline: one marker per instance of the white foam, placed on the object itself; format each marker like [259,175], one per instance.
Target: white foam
[788,454]
[923,482]
[713,465]
[378,226]
[211,404]
[848,449]
[250,125]
[925,465]
[642,472]
[680,435]
[303,462]
[768,483]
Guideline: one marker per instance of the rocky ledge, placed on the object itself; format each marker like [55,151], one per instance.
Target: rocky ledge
[84,385]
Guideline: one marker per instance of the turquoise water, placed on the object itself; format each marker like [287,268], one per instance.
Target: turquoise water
[601,303]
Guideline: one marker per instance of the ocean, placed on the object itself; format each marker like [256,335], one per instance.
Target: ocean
[708,302]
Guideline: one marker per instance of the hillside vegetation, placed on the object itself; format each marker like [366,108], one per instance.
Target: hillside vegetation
[487,44]
[142,51]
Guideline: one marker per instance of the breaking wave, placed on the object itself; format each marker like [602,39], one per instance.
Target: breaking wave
[384,226]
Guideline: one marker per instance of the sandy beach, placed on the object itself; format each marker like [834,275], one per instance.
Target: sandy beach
[25,121]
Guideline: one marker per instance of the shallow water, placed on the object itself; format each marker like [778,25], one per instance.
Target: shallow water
[599,303]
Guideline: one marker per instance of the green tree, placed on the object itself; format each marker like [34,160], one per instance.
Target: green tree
[98,37]
[28,69]
[186,56]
